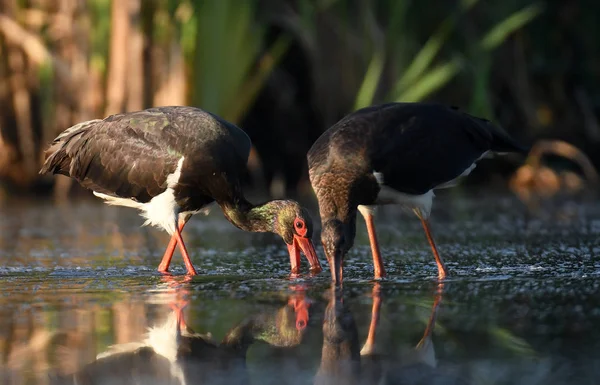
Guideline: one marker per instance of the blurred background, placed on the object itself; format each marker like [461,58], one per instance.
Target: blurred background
[286,70]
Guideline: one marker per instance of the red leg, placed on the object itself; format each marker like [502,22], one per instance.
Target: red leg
[377,261]
[180,291]
[368,347]
[432,317]
[442,271]
[186,258]
[166,260]
[178,309]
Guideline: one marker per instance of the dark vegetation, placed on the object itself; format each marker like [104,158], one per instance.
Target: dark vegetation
[285,70]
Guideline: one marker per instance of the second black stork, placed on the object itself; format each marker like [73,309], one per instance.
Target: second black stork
[396,153]
[170,163]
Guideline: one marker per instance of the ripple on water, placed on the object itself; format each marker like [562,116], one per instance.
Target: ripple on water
[517,289]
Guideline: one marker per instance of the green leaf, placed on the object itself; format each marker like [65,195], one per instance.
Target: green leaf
[425,56]
[422,61]
[433,80]
[467,4]
[497,34]
[397,11]
[511,342]
[227,48]
[480,100]
[371,80]
[248,92]
[188,25]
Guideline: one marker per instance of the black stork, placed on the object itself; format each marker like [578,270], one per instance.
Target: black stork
[396,153]
[171,163]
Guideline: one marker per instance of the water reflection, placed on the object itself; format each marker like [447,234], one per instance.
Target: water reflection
[150,341]
[344,362]
[281,333]
[419,365]
[340,355]
[173,353]
[521,309]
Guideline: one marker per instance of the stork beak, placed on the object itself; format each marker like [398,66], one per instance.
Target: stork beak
[300,305]
[306,246]
[335,266]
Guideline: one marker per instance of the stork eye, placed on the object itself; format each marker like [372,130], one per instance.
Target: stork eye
[300,227]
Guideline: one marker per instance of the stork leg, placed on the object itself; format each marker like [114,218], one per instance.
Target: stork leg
[166,260]
[442,271]
[431,323]
[377,260]
[176,239]
[186,257]
[369,345]
[178,309]
[177,286]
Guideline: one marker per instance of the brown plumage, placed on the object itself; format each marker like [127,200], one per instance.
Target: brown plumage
[395,153]
[170,163]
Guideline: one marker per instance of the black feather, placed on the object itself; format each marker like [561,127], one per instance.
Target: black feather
[416,146]
[131,155]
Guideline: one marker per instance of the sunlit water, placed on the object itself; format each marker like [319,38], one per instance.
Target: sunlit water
[522,304]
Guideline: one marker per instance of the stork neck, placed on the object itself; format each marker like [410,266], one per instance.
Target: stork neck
[276,329]
[248,217]
[240,337]
[345,212]
[348,221]
[255,328]
[340,206]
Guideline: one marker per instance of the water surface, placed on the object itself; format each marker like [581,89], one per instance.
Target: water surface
[521,305]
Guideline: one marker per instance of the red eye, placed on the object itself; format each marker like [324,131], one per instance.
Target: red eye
[300,227]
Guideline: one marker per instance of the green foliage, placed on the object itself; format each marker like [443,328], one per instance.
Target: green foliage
[100,32]
[366,93]
[46,77]
[253,84]
[227,47]
[511,342]
[188,21]
[421,76]
[425,57]
[481,56]
[431,81]
[500,32]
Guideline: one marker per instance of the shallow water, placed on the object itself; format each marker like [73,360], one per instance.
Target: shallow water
[521,305]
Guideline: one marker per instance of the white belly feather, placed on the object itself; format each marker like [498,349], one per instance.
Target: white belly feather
[163,339]
[411,202]
[162,210]
[408,202]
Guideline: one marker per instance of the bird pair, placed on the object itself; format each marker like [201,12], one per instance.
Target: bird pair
[172,162]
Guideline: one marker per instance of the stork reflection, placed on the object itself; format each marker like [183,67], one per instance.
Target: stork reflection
[340,355]
[343,361]
[173,353]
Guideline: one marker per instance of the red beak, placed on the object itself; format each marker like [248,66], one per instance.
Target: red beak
[306,246]
[301,305]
